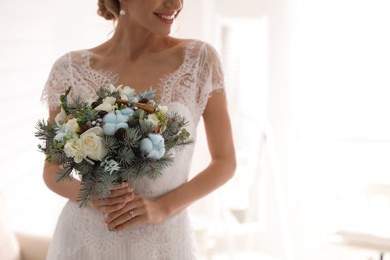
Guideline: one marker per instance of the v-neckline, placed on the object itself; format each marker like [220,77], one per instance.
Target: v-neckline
[159,88]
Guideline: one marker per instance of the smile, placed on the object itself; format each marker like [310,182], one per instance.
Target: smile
[167,16]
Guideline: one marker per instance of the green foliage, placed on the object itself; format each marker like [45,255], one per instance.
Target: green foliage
[125,156]
[148,94]
[176,136]
[102,93]
[86,115]
[64,100]
[132,137]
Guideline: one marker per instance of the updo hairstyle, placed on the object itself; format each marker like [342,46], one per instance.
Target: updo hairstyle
[109,9]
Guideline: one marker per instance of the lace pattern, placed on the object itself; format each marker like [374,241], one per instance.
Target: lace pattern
[81,233]
[191,84]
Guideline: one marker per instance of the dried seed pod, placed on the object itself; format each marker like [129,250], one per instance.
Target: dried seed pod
[120,133]
[102,113]
[147,108]
[94,104]
[122,102]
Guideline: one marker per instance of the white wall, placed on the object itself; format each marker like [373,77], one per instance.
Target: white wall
[34,34]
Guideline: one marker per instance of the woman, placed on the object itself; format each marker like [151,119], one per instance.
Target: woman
[149,218]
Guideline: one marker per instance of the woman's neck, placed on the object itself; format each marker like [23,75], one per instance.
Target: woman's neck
[134,42]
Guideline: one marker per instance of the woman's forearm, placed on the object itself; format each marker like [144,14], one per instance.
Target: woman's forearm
[66,188]
[214,176]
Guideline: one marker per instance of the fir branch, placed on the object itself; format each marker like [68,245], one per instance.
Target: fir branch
[87,190]
[112,143]
[153,168]
[180,146]
[65,173]
[146,127]
[128,174]
[170,141]
[125,156]
[132,137]
[55,154]
[147,94]
[85,169]
[102,93]
[104,183]
[44,130]
[175,124]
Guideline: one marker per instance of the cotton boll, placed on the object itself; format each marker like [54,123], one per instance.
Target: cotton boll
[160,145]
[146,146]
[109,129]
[109,118]
[127,111]
[121,118]
[154,155]
[161,152]
[121,125]
[156,139]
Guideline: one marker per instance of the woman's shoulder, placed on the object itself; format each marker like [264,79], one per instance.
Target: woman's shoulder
[199,49]
[74,57]
[197,44]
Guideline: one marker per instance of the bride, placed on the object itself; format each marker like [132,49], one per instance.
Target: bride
[146,219]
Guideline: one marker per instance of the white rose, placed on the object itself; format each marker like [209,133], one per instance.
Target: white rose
[153,119]
[60,118]
[72,125]
[163,109]
[107,105]
[126,92]
[73,148]
[93,144]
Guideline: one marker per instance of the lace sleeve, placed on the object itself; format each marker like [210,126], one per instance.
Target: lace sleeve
[58,82]
[211,76]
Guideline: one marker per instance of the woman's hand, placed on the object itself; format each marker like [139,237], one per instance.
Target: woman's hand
[137,211]
[121,195]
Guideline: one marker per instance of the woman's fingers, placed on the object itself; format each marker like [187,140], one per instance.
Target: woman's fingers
[127,218]
[120,192]
[116,198]
[138,211]
[120,195]
[131,205]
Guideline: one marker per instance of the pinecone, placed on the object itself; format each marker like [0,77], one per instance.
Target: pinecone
[143,100]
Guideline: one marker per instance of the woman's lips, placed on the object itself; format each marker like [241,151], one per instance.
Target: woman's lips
[167,18]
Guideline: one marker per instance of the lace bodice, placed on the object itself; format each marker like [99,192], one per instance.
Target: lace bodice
[81,233]
[191,84]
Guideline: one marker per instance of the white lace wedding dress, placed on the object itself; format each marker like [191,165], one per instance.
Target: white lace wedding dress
[81,233]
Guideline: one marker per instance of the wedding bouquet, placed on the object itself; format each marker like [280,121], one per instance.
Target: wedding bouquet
[118,137]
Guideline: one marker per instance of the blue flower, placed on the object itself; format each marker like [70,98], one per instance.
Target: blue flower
[116,120]
[63,133]
[153,146]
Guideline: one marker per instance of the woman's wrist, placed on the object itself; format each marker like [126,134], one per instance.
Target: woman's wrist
[165,208]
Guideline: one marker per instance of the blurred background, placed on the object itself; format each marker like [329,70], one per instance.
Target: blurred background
[308,84]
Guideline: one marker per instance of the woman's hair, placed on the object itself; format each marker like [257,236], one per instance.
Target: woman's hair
[108,9]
